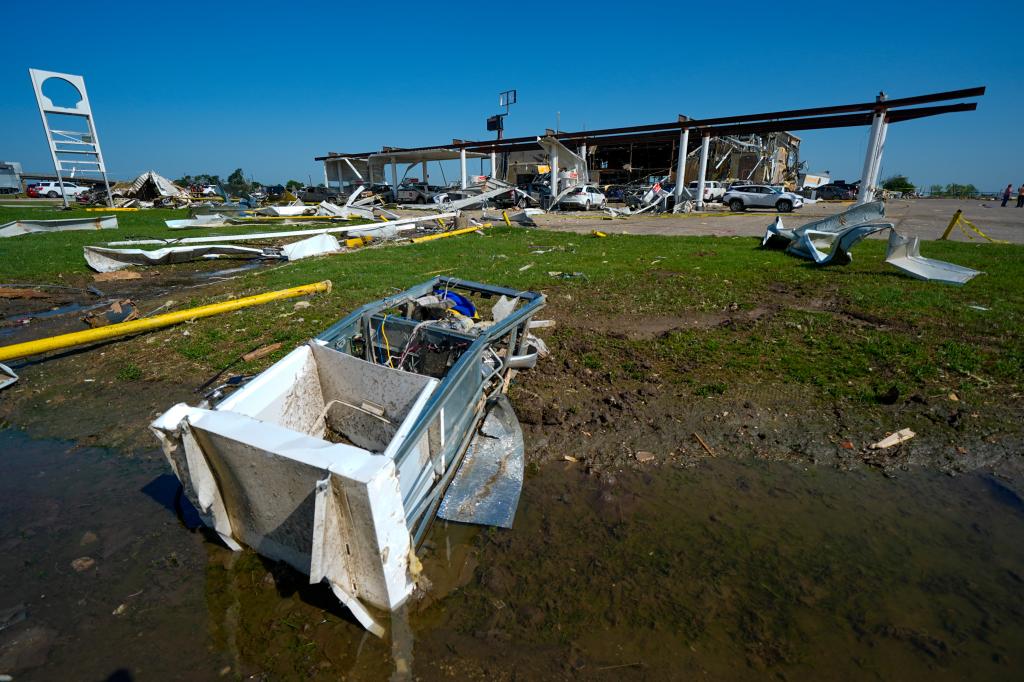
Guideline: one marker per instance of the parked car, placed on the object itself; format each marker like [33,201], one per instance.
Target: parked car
[314,195]
[417,193]
[761,196]
[52,189]
[713,190]
[828,192]
[584,197]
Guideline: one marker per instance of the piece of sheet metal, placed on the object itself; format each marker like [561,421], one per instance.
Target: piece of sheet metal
[20,227]
[104,259]
[905,254]
[777,236]
[486,488]
[7,376]
[319,245]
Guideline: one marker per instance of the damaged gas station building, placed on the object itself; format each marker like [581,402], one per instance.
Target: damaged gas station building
[757,148]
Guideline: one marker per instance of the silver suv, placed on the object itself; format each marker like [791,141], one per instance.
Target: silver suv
[742,197]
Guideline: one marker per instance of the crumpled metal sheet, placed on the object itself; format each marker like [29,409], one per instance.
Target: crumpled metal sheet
[486,487]
[102,259]
[7,376]
[319,245]
[905,254]
[20,227]
[841,232]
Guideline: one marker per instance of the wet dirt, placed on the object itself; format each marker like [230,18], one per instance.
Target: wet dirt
[720,569]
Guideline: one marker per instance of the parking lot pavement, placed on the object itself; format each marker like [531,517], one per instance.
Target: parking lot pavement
[924,218]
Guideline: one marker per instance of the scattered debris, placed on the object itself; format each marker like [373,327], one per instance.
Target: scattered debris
[261,352]
[119,311]
[20,227]
[643,456]
[598,233]
[83,563]
[566,275]
[892,439]
[150,189]
[418,378]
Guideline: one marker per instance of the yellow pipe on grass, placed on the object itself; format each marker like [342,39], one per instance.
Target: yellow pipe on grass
[110,331]
[453,233]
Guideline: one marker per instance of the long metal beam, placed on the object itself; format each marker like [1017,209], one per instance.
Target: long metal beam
[775,121]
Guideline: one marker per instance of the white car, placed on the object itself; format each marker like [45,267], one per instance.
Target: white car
[761,196]
[584,197]
[52,189]
[713,190]
[417,193]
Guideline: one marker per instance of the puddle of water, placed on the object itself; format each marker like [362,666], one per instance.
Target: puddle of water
[14,322]
[729,570]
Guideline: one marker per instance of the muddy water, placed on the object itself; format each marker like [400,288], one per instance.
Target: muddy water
[726,570]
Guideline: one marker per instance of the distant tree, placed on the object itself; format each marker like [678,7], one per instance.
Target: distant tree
[960,191]
[293,185]
[237,183]
[897,183]
[200,179]
[936,190]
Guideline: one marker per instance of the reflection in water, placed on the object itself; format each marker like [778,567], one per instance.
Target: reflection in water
[727,570]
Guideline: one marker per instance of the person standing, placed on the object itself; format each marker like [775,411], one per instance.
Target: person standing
[1006,193]
[1020,195]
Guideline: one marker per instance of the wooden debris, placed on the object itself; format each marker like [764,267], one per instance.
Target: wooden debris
[892,439]
[643,456]
[703,444]
[261,352]
[7,292]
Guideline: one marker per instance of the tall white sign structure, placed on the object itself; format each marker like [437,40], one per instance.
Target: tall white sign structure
[77,151]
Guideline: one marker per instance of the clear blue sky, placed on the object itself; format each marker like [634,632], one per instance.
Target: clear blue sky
[211,86]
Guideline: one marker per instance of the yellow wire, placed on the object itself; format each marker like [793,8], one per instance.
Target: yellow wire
[384,333]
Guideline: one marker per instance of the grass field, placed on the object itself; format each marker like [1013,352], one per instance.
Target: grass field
[745,316]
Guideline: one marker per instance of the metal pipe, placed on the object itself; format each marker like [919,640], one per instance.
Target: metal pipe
[462,167]
[684,143]
[705,143]
[452,233]
[20,350]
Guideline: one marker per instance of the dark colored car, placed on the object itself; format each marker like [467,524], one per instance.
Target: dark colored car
[834,192]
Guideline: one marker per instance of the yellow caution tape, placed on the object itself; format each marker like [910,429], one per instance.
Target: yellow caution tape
[958,220]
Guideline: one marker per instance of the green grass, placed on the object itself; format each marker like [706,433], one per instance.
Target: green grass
[851,330]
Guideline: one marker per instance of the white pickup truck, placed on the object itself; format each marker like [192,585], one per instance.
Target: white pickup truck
[713,190]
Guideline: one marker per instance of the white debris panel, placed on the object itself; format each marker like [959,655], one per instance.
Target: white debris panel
[103,259]
[319,245]
[262,471]
[19,227]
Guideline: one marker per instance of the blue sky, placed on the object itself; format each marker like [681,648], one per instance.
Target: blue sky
[208,87]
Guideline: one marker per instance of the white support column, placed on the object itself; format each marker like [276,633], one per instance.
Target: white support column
[864,194]
[866,191]
[876,166]
[684,142]
[705,143]
[394,180]
[462,166]
[586,165]
[554,172]
[424,172]
[327,180]
[494,165]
